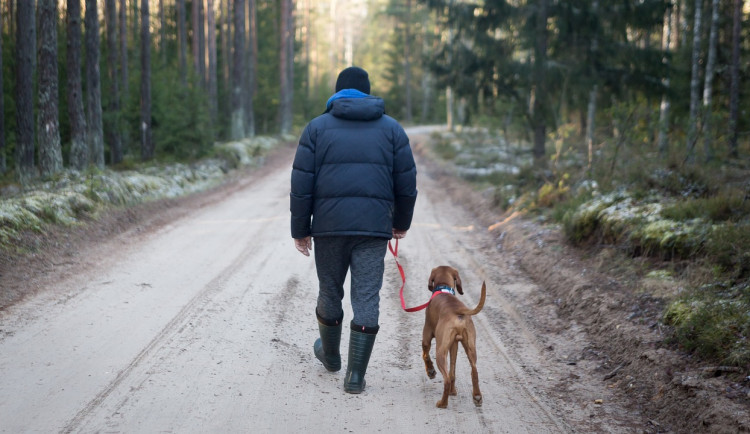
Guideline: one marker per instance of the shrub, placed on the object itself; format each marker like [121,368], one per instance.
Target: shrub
[729,247]
[725,206]
[712,325]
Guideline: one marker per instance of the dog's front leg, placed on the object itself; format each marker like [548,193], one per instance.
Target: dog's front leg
[426,342]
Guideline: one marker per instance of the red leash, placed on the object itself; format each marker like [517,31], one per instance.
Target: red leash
[394,251]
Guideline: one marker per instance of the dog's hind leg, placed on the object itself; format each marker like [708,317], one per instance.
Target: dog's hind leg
[454,359]
[426,342]
[471,352]
[440,357]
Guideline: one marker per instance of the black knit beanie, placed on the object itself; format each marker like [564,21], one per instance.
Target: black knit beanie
[353,78]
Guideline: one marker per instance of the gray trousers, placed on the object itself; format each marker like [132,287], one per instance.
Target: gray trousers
[364,257]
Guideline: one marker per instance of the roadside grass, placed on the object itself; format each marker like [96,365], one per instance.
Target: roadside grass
[72,197]
[690,220]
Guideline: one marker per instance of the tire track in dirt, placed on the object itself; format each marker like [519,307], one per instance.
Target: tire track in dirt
[191,310]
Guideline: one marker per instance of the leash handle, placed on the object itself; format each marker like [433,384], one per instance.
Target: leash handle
[394,251]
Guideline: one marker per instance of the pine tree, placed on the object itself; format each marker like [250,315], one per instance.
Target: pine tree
[286,67]
[541,103]
[25,64]
[213,92]
[708,80]
[238,73]
[79,152]
[95,131]
[182,41]
[147,143]
[734,91]
[3,161]
[50,152]
[694,83]
[113,129]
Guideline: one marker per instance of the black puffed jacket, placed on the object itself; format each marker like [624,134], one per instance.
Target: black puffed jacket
[353,173]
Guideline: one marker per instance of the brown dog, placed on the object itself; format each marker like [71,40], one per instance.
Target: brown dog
[449,322]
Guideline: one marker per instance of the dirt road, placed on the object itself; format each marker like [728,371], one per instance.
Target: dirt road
[206,324]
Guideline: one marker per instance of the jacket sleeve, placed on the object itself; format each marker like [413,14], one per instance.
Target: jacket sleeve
[303,183]
[404,181]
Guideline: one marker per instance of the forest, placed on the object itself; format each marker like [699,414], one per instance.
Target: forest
[95,82]
[609,105]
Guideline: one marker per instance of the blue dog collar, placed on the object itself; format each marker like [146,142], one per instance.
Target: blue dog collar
[446,289]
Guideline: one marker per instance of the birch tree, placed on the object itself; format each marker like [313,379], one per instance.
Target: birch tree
[50,152]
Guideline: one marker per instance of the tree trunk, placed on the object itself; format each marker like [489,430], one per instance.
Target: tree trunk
[124,55]
[198,42]
[664,108]
[3,161]
[213,92]
[708,80]
[11,15]
[694,83]
[238,73]
[590,124]
[449,108]
[113,128]
[407,64]
[93,87]
[147,144]
[182,41]
[734,92]
[195,21]
[251,83]
[226,36]
[50,152]
[79,152]
[25,64]
[202,43]
[540,94]
[162,33]
[285,59]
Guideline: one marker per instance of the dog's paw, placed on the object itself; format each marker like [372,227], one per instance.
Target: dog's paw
[453,392]
[478,400]
[442,404]
[431,373]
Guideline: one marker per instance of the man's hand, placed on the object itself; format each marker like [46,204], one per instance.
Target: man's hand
[303,245]
[398,234]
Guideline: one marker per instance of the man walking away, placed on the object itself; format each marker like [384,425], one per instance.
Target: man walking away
[353,188]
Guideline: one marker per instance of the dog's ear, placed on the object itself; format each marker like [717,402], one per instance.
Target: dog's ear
[457,281]
[431,280]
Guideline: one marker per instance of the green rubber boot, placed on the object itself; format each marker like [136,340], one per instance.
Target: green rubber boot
[326,347]
[360,348]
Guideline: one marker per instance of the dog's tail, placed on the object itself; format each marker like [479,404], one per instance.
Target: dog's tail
[479,307]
